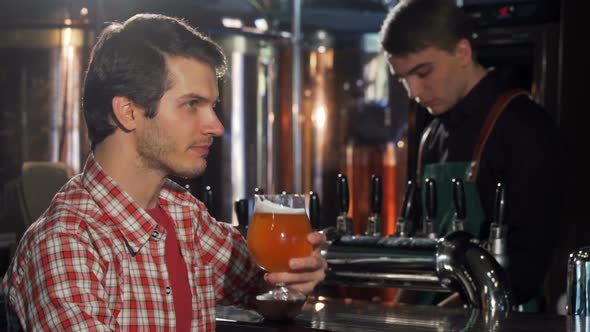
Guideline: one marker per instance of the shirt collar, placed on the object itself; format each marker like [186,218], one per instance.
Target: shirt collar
[135,224]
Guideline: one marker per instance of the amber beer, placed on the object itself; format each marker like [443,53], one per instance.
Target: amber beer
[277,232]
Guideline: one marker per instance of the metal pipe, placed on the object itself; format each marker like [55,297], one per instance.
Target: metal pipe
[296,90]
[452,263]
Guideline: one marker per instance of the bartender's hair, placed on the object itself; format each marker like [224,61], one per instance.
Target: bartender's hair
[413,25]
[129,60]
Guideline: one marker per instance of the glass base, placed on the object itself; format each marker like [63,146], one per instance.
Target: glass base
[280,303]
[281,293]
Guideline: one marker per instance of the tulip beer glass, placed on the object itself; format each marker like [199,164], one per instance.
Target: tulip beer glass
[278,232]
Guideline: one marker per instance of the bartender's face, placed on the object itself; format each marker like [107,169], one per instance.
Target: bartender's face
[177,140]
[433,77]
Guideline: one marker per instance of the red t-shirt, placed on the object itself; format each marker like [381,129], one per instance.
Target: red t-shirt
[177,273]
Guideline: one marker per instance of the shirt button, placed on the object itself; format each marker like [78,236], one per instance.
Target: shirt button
[168,290]
[156,235]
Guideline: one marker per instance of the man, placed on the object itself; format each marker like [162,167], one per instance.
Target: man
[122,247]
[429,49]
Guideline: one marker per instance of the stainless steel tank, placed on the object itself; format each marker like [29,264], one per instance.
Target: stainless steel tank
[41,73]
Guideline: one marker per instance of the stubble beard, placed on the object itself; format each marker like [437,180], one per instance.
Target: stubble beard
[156,149]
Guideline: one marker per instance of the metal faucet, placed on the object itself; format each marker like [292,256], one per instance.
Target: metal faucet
[578,279]
[497,243]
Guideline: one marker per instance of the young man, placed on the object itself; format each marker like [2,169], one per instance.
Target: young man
[122,247]
[429,47]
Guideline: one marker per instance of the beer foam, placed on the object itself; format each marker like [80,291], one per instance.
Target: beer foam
[266,206]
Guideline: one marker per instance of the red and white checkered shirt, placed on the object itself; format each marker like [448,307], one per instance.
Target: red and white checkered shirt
[95,261]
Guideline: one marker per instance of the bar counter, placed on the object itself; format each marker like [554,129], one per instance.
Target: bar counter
[338,315]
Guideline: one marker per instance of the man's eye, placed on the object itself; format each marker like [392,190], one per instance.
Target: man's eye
[192,103]
[424,73]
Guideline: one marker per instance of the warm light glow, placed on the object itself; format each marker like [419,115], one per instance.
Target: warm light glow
[84,11]
[401,144]
[66,38]
[321,298]
[322,49]
[229,22]
[271,118]
[319,306]
[67,21]
[319,117]
[70,53]
[261,24]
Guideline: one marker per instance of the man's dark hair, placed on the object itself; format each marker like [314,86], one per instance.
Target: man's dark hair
[129,60]
[414,25]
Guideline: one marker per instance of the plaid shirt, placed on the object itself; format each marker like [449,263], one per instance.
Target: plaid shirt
[95,261]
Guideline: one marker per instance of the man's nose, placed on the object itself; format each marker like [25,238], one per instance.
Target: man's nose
[214,126]
[413,87]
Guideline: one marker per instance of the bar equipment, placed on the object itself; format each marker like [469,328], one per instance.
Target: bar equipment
[459,202]
[404,225]
[241,209]
[209,201]
[578,279]
[314,210]
[343,222]
[452,263]
[431,206]
[374,225]
[455,262]
[497,243]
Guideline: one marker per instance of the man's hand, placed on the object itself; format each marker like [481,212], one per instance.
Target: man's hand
[306,272]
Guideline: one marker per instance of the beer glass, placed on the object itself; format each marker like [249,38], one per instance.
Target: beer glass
[278,232]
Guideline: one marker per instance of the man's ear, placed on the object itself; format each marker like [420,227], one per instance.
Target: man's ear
[126,112]
[464,52]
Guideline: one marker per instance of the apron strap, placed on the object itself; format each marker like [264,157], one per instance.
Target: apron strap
[488,126]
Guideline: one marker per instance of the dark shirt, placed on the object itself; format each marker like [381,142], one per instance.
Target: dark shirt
[523,152]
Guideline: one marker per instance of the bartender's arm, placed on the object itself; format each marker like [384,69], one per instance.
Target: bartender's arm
[533,194]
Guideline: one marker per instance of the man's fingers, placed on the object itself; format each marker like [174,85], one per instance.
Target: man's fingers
[311,263]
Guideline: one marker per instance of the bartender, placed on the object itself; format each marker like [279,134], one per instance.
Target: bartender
[430,51]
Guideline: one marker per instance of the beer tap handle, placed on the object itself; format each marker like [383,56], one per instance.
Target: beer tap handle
[497,244]
[374,226]
[241,209]
[343,222]
[376,194]
[459,198]
[404,221]
[430,199]
[459,202]
[408,203]
[208,200]
[430,202]
[314,210]
[342,194]
[500,204]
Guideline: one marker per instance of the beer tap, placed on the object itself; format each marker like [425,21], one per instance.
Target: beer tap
[258,191]
[459,202]
[208,201]
[343,222]
[430,201]
[314,210]
[404,221]
[497,240]
[374,226]
[241,209]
